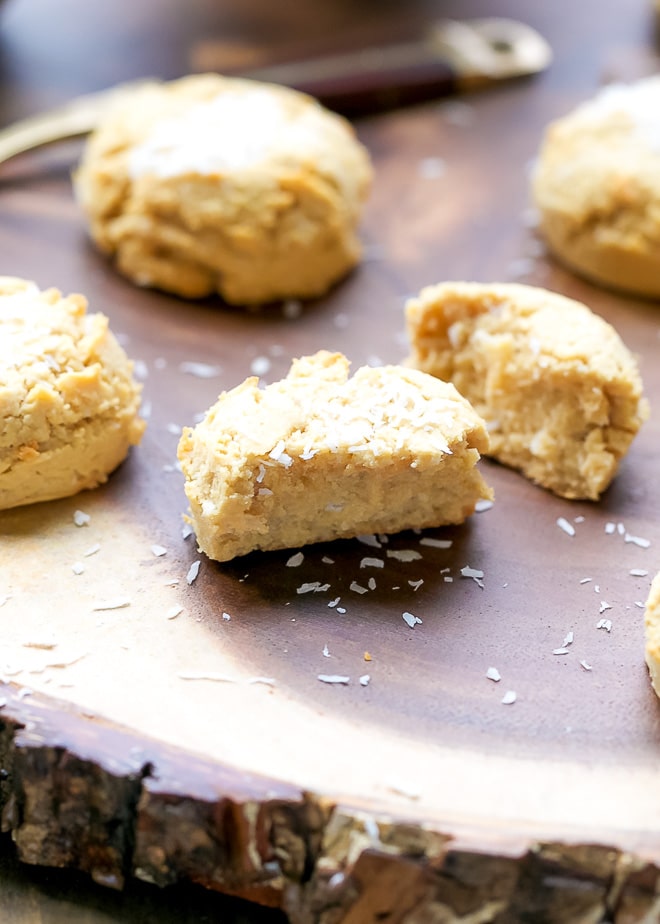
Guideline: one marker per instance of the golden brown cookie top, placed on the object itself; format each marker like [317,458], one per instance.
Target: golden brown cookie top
[604,156]
[209,125]
[59,368]
[541,327]
[318,409]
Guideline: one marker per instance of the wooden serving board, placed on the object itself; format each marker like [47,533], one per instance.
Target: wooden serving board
[202,745]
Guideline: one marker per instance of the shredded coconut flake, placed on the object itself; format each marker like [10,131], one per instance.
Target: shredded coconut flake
[326,651]
[193,571]
[610,528]
[226,617]
[312,587]
[295,560]
[80,518]
[372,563]
[493,674]
[358,588]
[469,572]
[173,612]
[475,573]
[567,527]
[560,651]
[568,640]
[77,567]
[604,624]
[404,555]
[509,698]
[364,680]
[200,370]
[431,168]
[267,681]
[482,505]
[638,572]
[586,665]
[260,365]
[604,605]
[92,550]
[277,454]
[436,543]
[202,675]
[158,550]
[637,540]
[333,678]
[370,540]
[411,619]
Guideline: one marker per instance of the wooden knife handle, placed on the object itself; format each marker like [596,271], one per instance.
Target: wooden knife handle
[362,92]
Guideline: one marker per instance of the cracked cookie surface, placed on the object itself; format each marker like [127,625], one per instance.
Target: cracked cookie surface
[559,391]
[320,456]
[596,185]
[68,401]
[211,184]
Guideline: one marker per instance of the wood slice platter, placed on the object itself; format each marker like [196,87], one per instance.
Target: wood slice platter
[185,732]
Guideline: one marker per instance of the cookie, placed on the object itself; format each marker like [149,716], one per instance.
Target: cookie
[319,456]
[212,184]
[597,187]
[560,393]
[68,402]
[652,631]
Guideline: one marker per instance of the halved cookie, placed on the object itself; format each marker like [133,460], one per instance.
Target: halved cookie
[559,391]
[319,455]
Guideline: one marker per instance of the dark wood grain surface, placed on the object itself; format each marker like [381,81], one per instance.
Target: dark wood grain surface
[450,201]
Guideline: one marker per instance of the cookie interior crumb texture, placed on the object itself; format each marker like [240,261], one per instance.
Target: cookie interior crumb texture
[652,630]
[68,401]
[211,184]
[319,455]
[560,393]
[597,187]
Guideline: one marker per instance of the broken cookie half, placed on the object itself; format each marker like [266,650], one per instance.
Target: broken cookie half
[319,456]
[560,392]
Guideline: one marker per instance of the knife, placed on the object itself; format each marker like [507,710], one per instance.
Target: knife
[451,57]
